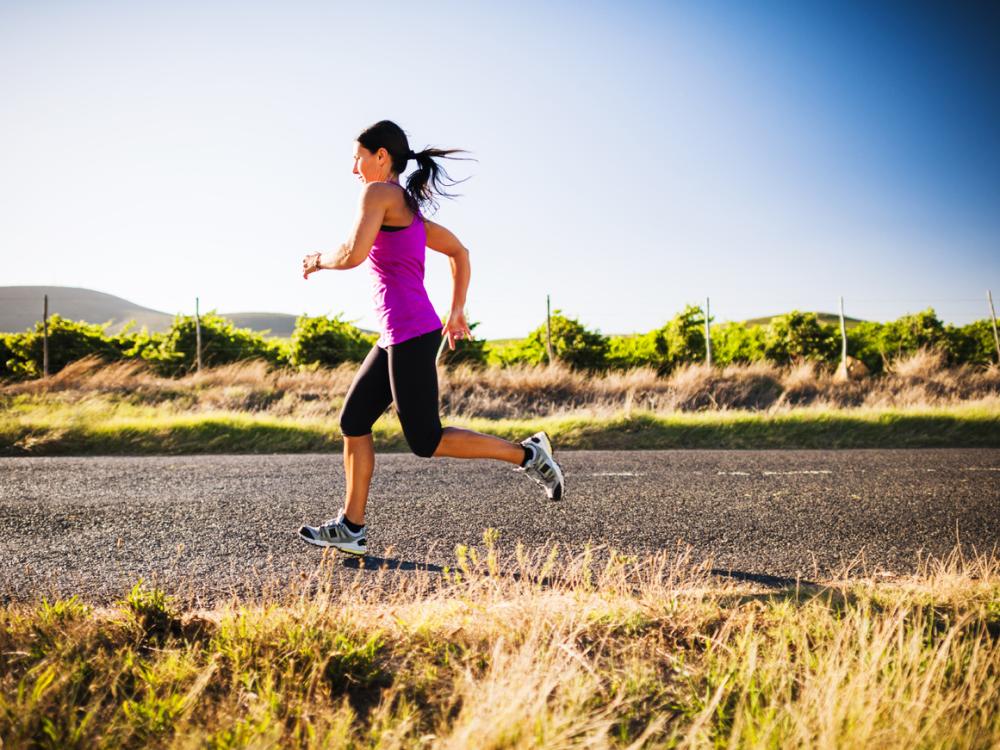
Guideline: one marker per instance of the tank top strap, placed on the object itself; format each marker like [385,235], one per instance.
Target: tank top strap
[418,212]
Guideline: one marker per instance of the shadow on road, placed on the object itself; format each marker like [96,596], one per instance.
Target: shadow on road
[371,562]
[763,579]
[798,590]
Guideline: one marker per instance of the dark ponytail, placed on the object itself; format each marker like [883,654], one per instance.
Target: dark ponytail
[427,181]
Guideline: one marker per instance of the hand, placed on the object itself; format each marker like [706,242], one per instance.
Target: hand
[310,264]
[456,328]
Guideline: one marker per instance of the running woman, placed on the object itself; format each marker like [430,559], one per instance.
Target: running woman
[392,234]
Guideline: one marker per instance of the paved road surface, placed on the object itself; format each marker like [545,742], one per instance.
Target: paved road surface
[216,524]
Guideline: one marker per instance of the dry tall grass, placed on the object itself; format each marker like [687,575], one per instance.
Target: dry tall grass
[531,651]
[525,391]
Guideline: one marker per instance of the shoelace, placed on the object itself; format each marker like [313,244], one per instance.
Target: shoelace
[338,523]
[332,523]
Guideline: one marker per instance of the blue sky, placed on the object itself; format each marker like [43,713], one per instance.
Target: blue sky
[631,157]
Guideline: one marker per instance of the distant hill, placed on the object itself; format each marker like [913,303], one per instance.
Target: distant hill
[21,308]
[279,324]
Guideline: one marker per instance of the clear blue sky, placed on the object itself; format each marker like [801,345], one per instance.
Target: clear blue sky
[632,157]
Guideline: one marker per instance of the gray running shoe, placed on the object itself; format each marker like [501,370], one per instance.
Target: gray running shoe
[542,467]
[334,533]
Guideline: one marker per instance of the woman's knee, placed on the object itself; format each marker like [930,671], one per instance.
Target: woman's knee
[423,443]
[353,427]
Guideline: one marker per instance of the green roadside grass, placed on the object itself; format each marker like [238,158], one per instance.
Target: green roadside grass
[63,430]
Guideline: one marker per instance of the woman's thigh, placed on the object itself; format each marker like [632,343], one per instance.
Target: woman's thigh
[369,395]
[413,379]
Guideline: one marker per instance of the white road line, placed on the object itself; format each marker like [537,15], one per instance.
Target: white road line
[772,473]
[802,471]
[616,474]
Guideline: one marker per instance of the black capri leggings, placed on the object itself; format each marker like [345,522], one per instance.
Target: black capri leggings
[406,374]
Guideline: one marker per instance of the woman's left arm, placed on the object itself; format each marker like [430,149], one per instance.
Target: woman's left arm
[371,213]
[443,241]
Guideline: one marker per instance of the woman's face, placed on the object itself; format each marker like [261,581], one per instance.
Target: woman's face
[370,167]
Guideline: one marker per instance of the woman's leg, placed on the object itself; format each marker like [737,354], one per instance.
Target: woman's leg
[413,378]
[366,400]
[359,464]
[460,443]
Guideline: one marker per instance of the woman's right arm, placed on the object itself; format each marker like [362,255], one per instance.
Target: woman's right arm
[374,198]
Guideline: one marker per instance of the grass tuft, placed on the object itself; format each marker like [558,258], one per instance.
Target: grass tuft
[152,611]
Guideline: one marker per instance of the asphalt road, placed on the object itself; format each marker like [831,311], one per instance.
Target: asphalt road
[209,526]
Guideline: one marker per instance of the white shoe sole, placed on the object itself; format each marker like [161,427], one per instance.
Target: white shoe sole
[544,440]
[357,551]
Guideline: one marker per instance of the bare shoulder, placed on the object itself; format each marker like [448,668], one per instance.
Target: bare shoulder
[388,198]
[381,192]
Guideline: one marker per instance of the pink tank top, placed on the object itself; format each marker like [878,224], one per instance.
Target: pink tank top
[396,262]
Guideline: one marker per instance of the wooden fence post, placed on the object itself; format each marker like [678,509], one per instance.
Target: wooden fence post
[548,327]
[993,316]
[708,335]
[843,337]
[197,333]
[45,337]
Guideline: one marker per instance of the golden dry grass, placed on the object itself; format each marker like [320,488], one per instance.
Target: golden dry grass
[920,380]
[522,650]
